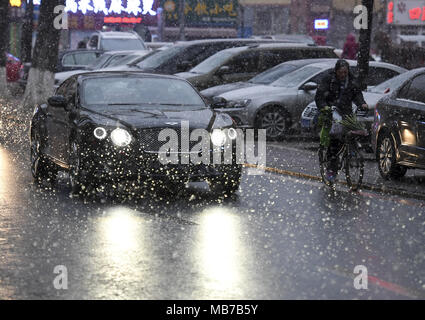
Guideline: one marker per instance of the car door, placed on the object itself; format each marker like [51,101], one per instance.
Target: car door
[57,122]
[408,111]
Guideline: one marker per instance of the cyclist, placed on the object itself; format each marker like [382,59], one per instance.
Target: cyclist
[338,88]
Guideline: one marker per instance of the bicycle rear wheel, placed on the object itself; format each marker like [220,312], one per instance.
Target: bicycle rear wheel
[324,164]
[354,168]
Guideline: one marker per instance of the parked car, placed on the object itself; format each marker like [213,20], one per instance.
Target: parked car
[372,96]
[13,68]
[67,60]
[242,63]
[114,41]
[265,77]
[106,60]
[398,130]
[295,38]
[277,107]
[183,56]
[105,126]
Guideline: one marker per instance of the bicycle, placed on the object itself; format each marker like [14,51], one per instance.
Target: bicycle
[350,160]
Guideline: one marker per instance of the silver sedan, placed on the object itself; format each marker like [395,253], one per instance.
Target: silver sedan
[277,107]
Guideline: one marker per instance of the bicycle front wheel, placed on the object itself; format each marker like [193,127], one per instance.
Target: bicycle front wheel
[324,164]
[354,168]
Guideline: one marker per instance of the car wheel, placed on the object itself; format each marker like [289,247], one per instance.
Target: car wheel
[386,157]
[41,169]
[76,177]
[228,183]
[275,121]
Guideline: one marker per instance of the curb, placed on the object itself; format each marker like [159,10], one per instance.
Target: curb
[365,186]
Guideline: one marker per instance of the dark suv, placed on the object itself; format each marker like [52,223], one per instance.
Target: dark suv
[182,56]
[398,132]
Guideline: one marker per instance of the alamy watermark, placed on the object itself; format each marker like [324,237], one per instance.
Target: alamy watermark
[61,21]
[220,146]
[361,280]
[60,282]
[361,21]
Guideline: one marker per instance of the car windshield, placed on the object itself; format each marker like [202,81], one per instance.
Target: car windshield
[212,62]
[391,84]
[113,59]
[115,91]
[296,77]
[119,44]
[273,74]
[159,57]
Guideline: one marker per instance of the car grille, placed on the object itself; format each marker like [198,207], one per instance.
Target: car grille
[149,141]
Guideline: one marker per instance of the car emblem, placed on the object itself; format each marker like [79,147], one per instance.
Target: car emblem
[172,123]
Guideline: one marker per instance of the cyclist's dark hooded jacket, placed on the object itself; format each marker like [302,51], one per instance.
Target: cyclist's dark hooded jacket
[332,92]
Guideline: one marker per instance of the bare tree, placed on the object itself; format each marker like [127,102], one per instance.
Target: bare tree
[4,40]
[27,29]
[41,75]
[364,39]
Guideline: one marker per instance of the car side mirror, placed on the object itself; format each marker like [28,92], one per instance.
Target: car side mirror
[218,102]
[309,86]
[57,101]
[223,70]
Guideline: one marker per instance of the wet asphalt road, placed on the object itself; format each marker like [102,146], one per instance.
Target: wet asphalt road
[279,238]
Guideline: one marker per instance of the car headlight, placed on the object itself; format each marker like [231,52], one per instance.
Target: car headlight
[218,137]
[100,133]
[120,137]
[238,103]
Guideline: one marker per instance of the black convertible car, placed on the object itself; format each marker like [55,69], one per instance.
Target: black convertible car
[109,126]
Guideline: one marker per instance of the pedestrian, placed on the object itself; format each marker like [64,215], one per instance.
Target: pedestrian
[351,47]
[339,88]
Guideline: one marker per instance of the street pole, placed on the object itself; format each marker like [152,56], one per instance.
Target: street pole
[364,39]
[181,20]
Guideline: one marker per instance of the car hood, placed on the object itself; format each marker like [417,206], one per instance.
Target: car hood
[137,117]
[217,90]
[252,92]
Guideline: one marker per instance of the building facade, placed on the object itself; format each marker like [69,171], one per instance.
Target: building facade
[328,20]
